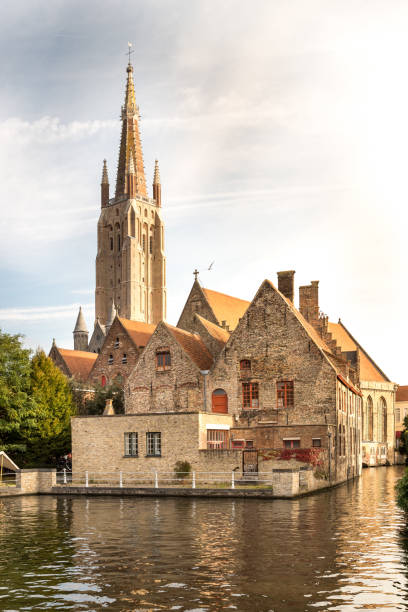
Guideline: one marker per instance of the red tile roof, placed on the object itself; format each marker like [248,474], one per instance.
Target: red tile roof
[214,330]
[193,346]
[368,369]
[225,307]
[139,332]
[402,394]
[79,363]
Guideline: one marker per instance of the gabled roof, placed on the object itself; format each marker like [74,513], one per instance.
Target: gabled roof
[192,345]
[79,363]
[218,333]
[402,394]
[138,331]
[226,307]
[369,370]
[6,462]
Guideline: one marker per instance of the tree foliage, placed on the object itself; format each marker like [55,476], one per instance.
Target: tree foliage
[402,491]
[49,436]
[17,411]
[403,443]
[95,403]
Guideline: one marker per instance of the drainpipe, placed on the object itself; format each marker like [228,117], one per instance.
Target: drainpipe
[205,374]
[329,435]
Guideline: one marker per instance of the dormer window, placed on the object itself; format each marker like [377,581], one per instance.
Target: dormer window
[244,365]
[163,360]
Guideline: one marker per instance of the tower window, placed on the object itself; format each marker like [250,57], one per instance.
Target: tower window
[144,243]
[124,358]
[151,245]
[118,242]
[116,345]
[111,243]
[110,359]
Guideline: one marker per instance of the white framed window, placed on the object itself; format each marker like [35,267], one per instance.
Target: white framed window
[131,444]
[153,444]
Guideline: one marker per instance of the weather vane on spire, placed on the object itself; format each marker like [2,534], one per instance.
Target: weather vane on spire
[130,50]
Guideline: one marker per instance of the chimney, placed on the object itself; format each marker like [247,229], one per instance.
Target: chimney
[309,301]
[286,284]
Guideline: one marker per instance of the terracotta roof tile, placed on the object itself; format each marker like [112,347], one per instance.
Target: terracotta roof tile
[79,363]
[368,369]
[225,307]
[214,330]
[139,332]
[193,346]
[402,394]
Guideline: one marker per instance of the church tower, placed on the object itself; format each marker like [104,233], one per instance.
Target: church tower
[130,261]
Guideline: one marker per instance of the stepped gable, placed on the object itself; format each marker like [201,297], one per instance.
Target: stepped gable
[402,394]
[78,363]
[138,331]
[217,332]
[369,370]
[193,345]
[226,307]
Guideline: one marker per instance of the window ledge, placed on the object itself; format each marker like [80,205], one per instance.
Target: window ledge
[151,456]
[130,456]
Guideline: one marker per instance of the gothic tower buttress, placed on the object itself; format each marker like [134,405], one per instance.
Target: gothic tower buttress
[130,261]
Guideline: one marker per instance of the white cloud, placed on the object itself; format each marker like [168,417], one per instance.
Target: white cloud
[48,130]
[43,313]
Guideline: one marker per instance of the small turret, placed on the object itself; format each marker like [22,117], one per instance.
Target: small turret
[157,184]
[80,333]
[104,186]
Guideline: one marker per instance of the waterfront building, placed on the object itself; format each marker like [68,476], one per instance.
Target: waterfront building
[401,411]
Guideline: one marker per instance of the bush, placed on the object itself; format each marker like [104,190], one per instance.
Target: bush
[182,469]
[402,492]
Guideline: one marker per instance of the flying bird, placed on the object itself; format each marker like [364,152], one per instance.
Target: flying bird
[211,265]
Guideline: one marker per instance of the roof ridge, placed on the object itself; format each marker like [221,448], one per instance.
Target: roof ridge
[225,294]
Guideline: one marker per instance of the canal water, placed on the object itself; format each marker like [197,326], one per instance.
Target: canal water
[346,549]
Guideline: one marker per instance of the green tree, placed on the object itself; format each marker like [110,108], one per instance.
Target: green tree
[16,405]
[402,491]
[50,435]
[95,404]
[403,443]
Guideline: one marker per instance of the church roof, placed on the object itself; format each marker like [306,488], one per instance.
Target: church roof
[226,307]
[80,325]
[368,368]
[193,346]
[402,394]
[138,331]
[79,363]
[218,333]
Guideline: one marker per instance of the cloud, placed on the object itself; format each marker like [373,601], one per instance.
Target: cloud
[48,130]
[42,313]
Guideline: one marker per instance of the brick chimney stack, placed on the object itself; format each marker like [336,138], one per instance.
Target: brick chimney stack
[286,284]
[309,301]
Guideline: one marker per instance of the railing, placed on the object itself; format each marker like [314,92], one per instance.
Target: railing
[156,479]
[8,479]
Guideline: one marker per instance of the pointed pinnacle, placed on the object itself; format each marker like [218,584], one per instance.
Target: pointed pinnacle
[105,179]
[156,179]
[80,325]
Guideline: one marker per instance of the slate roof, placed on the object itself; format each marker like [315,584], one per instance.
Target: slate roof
[193,346]
[79,363]
[368,368]
[138,331]
[226,307]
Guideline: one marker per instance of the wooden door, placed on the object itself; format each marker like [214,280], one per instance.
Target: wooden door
[250,462]
[220,401]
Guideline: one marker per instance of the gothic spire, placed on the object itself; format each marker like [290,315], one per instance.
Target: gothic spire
[104,186]
[157,184]
[80,325]
[130,143]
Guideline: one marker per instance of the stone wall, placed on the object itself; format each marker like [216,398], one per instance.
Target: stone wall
[36,480]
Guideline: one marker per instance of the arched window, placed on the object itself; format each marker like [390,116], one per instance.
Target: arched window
[219,401]
[370,418]
[118,242]
[382,420]
[244,365]
[103,381]
[363,422]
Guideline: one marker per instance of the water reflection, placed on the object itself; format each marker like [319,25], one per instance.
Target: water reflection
[342,550]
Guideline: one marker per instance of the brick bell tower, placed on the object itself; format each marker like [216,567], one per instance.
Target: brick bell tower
[130,261]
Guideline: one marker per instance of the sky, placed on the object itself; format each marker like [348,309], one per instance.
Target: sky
[280,129]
